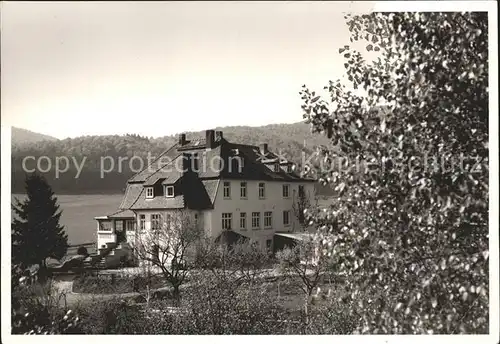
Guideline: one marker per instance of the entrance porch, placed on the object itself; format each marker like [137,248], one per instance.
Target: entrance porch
[115,229]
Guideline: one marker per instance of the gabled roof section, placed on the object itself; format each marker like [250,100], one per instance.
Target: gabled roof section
[167,173]
[211,187]
[132,193]
[229,237]
[253,168]
[218,160]
[159,202]
[154,180]
[122,214]
[296,236]
[195,193]
[163,159]
[193,144]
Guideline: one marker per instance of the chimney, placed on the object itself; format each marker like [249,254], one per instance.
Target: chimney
[263,148]
[210,138]
[218,135]
[182,139]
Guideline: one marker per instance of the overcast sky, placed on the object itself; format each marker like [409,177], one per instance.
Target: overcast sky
[83,68]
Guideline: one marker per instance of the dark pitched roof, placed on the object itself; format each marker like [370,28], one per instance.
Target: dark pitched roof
[195,193]
[154,180]
[199,189]
[159,202]
[132,192]
[253,168]
[230,237]
[122,214]
[211,187]
[193,144]
[163,159]
[168,172]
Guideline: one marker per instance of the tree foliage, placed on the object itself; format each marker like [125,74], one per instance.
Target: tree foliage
[36,232]
[409,159]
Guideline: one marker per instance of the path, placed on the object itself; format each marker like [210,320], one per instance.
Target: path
[65,286]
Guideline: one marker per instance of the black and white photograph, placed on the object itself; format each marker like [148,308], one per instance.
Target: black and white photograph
[250,168]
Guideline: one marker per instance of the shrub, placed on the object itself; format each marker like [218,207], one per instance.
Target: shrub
[97,284]
[36,308]
[222,307]
[114,316]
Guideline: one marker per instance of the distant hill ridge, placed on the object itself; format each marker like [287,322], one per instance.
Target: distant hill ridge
[291,139]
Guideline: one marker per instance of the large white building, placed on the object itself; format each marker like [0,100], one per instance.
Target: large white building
[225,186]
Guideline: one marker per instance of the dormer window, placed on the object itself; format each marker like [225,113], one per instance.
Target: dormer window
[276,167]
[290,168]
[149,192]
[169,191]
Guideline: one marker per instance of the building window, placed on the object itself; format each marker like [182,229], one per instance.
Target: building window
[118,225]
[243,189]
[142,222]
[149,192]
[226,220]
[155,221]
[236,164]
[243,220]
[105,226]
[276,167]
[130,225]
[290,168]
[286,218]
[301,191]
[262,190]
[169,191]
[255,220]
[268,219]
[286,191]
[227,189]
[269,244]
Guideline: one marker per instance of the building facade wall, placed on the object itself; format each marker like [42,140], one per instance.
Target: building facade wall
[211,220]
[273,202]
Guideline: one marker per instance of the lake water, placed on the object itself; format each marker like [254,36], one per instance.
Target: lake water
[78,212]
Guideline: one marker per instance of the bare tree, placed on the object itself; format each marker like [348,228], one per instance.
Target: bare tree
[168,244]
[307,262]
[250,260]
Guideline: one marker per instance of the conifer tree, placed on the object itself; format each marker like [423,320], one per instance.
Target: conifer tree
[36,232]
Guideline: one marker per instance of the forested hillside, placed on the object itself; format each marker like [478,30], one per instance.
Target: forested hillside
[290,138]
